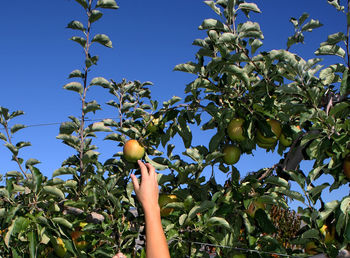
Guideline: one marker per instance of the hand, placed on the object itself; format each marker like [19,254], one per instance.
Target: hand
[147,191]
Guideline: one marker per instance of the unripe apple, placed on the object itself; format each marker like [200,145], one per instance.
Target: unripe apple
[276,130]
[254,206]
[235,129]
[328,232]
[59,247]
[231,154]
[133,151]
[163,200]
[285,140]
[346,167]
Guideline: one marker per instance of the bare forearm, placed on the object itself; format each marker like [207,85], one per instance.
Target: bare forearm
[156,244]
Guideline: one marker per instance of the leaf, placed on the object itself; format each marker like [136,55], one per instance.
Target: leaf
[277,181]
[185,132]
[212,5]
[212,24]
[31,162]
[330,50]
[17,127]
[68,128]
[76,25]
[156,165]
[311,233]
[12,148]
[64,171]
[204,206]
[82,3]
[249,7]
[53,191]
[264,222]
[255,44]
[103,40]
[3,137]
[217,221]
[315,191]
[95,16]
[345,83]
[345,205]
[33,243]
[239,72]
[98,127]
[182,219]
[313,24]
[328,209]
[81,41]
[62,221]
[189,67]
[9,233]
[92,106]
[334,39]
[76,73]
[100,81]
[216,140]
[74,86]
[107,4]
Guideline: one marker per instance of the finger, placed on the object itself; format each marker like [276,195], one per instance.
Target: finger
[143,168]
[135,182]
[151,169]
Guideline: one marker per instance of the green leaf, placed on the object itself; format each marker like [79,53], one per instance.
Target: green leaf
[100,81]
[313,24]
[62,221]
[239,72]
[340,107]
[99,127]
[277,181]
[76,25]
[335,3]
[156,165]
[68,128]
[330,50]
[82,3]
[212,24]
[185,132]
[345,205]
[103,40]
[107,4]
[334,39]
[33,243]
[92,106]
[212,5]
[12,148]
[328,209]
[249,7]
[217,221]
[17,127]
[76,73]
[74,86]
[255,44]
[95,16]
[311,233]
[264,222]
[53,191]
[204,206]
[81,41]
[189,67]
[3,137]
[31,162]
[216,140]
[345,83]
[316,191]
[64,171]
[9,233]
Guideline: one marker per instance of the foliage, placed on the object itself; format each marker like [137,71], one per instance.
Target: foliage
[42,217]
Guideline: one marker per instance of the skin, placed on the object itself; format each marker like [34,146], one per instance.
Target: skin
[147,193]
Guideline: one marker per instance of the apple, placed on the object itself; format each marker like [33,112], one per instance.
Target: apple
[254,206]
[328,233]
[59,247]
[311,248]
[346,166]
[265,145]
[133,151]
[231,154]
[235,130]
[285,140]
[163,200]
[276,130]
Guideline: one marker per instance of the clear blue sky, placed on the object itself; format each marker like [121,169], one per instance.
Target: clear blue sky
[149,38]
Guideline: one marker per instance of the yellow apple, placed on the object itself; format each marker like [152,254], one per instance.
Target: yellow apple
[133,151]
[163,200]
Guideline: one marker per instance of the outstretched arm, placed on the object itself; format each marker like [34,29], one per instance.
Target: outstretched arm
[147,192]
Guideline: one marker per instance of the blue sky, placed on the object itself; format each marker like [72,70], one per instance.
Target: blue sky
[149,39]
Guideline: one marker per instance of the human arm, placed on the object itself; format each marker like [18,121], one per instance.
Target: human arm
[147,193]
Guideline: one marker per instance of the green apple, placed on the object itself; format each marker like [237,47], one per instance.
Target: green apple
[231,154]
[235,130]
[276,129]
